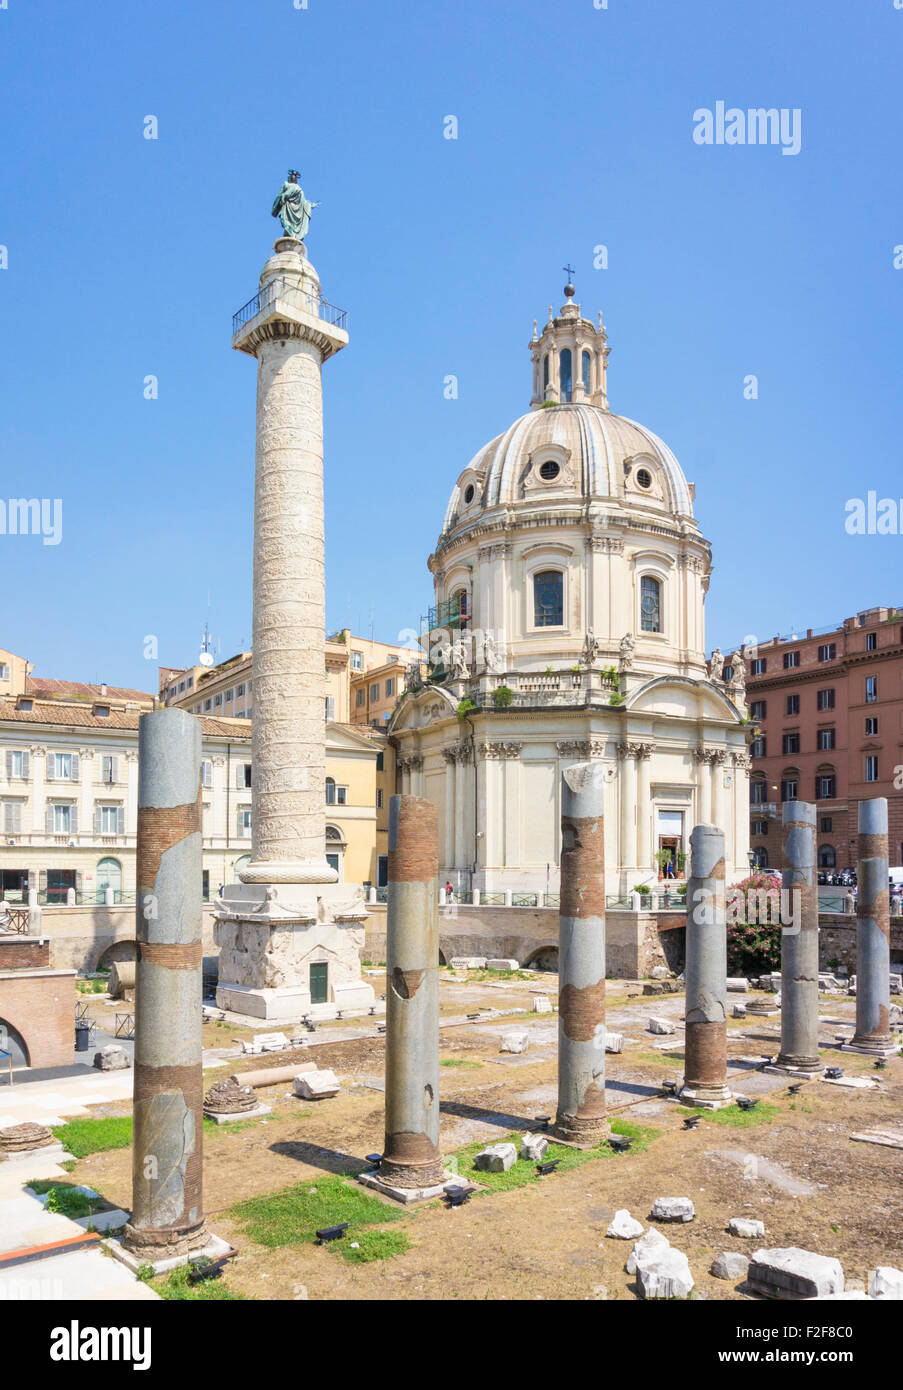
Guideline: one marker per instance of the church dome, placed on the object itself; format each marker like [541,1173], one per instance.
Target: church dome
[577,452]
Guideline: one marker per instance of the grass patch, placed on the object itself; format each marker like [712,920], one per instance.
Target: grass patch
[665,1058]
[294,1215]
[82,1137]
[460,1063]
[65,1198]
[371,1245]
[736,1118]
[524,1170]
[175,1286]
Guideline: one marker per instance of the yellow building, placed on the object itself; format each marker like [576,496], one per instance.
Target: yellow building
[360,764]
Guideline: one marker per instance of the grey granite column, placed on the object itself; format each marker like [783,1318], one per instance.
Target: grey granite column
[799,942]
[873,1033]
[411,1158]
[167,1189]
[581,1117]
[705,1066]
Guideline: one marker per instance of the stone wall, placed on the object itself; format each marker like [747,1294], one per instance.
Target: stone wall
[80,936]
[837,942]
[24,953]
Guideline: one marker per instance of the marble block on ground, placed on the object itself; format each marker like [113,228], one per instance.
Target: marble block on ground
[316,1085]
[730,1264]
[533,1147]
[542,1005]
[789,1272]
[624,1226]
[665,1275]
[746,1227]
[661,1025]
[672,1209]
[496,1158]
[514,1042]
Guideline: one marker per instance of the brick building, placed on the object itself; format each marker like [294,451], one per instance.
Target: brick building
[828,711]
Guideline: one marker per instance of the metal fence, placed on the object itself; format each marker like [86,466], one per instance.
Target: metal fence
[280,288]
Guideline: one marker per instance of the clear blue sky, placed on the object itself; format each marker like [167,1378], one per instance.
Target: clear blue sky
[127,257]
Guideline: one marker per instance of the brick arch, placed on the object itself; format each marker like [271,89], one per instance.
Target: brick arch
[126,948]
[108,945]
[17,1043]
[543,957]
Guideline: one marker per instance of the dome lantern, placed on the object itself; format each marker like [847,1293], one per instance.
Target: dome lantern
[570,358]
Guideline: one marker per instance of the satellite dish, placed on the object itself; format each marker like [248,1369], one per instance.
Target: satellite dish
[205,659]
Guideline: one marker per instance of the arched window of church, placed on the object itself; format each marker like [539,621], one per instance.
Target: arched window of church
[585,372]
[548,599]
[564,374]
[650,604]
[545,372]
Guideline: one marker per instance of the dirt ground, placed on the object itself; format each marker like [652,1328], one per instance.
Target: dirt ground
[799,1172]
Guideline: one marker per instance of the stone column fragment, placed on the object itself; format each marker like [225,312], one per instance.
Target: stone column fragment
[167,1191]
[873,1033]
[705,1066]
[799,941]
[411,1158]
[581,1115]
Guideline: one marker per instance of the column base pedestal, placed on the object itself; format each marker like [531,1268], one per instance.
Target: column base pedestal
[788,1067]
[270,935]
[214,1248]
[705,1097]
[871,1049]
[579,1134]
[405,1195]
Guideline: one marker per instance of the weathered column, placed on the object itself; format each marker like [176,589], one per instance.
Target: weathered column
[703,787]
[411,1158]
[705,1065]
[873,1033]
[799,941]
[581,957]
[167,1190]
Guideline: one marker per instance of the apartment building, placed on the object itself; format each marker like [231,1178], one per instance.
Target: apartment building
[69,791]
[828,711]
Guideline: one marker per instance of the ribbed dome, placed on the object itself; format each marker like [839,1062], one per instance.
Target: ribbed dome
[591,447]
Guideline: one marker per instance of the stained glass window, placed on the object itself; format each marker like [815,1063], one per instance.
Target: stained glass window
[564,374]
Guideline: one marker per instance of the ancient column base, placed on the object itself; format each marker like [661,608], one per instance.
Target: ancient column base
[396,1184]
[703,1096]
[270,934]
[164,1248]
[789,1065]
[580,1133]
[871,1047]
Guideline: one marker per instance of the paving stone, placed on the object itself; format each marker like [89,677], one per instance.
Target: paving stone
[730,1264]
[789,1272]
[672,1209]
[496,1158]
[624,1226]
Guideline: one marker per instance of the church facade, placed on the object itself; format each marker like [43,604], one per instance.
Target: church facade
[569,624]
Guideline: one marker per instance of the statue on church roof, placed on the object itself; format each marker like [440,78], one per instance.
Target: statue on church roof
[625,651]
[292,208]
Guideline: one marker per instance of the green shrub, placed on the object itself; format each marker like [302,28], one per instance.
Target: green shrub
[502,696]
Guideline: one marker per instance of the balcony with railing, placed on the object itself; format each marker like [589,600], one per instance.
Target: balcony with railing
[291,294]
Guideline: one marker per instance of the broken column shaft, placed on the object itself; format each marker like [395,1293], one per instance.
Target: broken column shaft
[873,1033]
[705,1066]
[411,1158]
[167,1190]
[581,1115]
[799,941]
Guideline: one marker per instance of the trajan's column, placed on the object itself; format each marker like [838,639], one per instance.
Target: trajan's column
[289,913]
